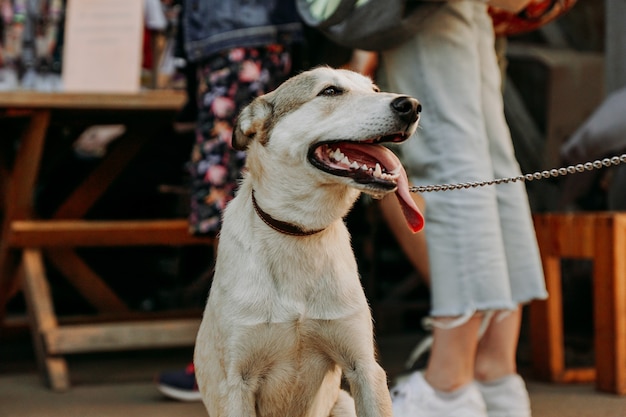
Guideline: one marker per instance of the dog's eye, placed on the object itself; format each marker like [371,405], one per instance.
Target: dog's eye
[330,91]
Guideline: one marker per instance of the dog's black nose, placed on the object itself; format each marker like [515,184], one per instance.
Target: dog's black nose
[407,108]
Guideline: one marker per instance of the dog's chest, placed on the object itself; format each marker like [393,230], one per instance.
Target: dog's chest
[274,283]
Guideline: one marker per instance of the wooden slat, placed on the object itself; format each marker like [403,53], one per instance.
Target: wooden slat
[577,376]
[86,281]
[145,100]
[19,198]
[569,235]
[546,316]
[75,233]
[609,279]
[83,197]
[42,318]
[121,336]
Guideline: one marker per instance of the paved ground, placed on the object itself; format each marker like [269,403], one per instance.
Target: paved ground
[120,385]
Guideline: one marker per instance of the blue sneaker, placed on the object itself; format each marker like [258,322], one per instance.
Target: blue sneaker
[179,385]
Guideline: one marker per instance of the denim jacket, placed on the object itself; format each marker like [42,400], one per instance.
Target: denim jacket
[211,26]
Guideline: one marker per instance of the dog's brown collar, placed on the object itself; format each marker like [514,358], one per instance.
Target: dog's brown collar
[280,226]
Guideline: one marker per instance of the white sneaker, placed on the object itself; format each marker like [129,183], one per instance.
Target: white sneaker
[506,397]
[414,397]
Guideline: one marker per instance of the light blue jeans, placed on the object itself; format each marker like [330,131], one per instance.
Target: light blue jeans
[482,246]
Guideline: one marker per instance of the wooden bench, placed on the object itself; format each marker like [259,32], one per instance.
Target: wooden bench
[600,237]
[25,239]
[124,330]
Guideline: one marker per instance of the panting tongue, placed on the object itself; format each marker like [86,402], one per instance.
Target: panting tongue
[390,161]
[412,213]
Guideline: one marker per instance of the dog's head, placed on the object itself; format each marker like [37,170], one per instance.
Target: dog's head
[331,125]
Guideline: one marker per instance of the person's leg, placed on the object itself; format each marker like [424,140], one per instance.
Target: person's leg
[497,349]
[495,356]
[495,370]
[451,362]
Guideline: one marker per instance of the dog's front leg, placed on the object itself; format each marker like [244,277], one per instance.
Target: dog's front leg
[368,386]
[241,400]
[351,343]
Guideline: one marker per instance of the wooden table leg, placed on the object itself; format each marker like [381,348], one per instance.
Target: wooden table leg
[4,177]
[546,325]
[558,236]
[19,199]
[610,304]
[74,269]
[42,318]
[546,316]
[86,281]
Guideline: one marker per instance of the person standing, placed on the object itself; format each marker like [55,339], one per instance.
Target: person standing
[483,255]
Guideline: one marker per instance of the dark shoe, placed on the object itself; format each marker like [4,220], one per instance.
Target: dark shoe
[179,385]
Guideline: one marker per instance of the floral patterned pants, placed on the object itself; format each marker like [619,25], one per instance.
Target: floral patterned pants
[227,82]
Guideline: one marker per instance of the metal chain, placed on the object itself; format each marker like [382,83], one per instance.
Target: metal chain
[572,169]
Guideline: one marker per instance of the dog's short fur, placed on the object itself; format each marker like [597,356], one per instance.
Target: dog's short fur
[287,314]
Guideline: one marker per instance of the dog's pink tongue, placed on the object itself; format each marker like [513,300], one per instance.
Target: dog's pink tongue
[412,213]
[390,161]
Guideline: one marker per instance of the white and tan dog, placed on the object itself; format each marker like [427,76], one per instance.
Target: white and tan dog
[286,313]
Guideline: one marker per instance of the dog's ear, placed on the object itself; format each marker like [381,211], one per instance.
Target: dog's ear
[253,123]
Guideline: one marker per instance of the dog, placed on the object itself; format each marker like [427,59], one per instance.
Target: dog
[287,316]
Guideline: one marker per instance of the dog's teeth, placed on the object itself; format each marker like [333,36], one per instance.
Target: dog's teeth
[345,161]
[378,172]
[364,167]
[337,155]
[354,165]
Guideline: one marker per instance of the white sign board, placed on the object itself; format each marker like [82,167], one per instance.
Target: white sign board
[102,51]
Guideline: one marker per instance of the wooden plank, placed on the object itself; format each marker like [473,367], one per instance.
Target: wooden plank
[42,318]
[75,233]
[86,281]
[577,376]
[19,198]
[37,291]
[610,304]
[145,100]
[546,316]
[574,234]
[4,179]
[122,336]
[82,198]
[567,235]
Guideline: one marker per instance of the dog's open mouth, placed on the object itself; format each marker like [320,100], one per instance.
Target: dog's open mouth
[372,164]
[365,162]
